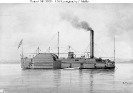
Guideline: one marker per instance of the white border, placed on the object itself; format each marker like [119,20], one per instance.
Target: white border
[90,1]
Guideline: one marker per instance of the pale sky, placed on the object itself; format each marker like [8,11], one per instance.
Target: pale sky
[38,25]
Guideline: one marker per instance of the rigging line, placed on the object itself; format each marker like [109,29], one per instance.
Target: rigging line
[65,50]
[57,47]
[95,53]
[102,50]
[52,50]
[50,41]
[69,48]
[99,54]
[54,36]
[47,50]
[74,49]
[87,47]
[35,51]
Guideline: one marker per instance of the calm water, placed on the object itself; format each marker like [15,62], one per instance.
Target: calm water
[15,80]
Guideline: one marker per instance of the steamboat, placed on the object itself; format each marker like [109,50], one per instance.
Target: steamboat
[53,61]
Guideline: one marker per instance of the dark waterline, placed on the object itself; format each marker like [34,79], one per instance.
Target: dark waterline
[15,80]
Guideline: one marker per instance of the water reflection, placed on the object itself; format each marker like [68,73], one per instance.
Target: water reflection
[14,80]
[57,79]
[81,81]
[92,77]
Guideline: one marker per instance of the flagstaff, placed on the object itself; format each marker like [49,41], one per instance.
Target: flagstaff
[114,49]
[21,43]
[58,44]
[22,50]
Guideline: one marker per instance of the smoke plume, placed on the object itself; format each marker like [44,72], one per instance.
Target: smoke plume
[75,22]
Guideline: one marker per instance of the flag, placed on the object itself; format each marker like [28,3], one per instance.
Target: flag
[20,43]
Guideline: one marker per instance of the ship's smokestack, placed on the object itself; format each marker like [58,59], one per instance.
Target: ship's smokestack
[81,25]
[91,44]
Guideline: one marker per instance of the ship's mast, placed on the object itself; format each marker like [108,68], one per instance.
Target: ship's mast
[22,50]
[58,44]
[114,49]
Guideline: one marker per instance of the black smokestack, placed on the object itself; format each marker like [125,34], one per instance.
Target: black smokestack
[81,25]
[91,44]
